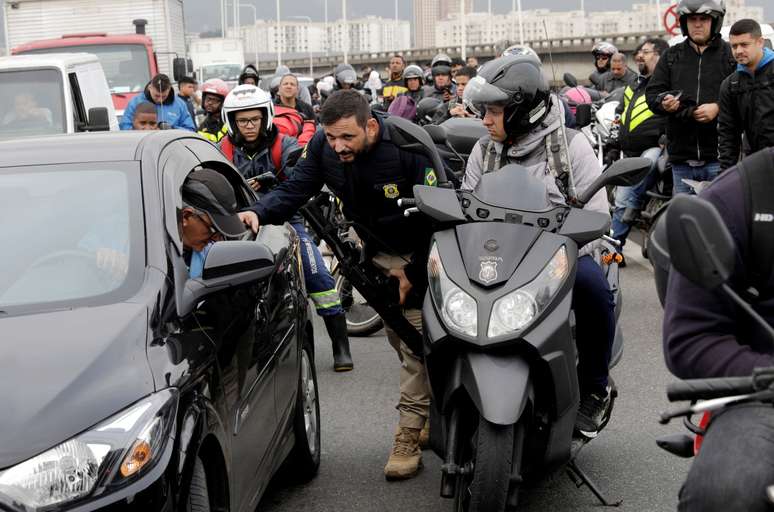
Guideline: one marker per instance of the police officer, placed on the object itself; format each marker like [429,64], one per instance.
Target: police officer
[355,158]
[255,146]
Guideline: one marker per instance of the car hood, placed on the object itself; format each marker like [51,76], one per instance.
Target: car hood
[63,371]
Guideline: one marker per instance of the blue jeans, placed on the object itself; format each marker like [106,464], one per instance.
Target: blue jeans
[706,172]
[630,197]
[319,282]
[594,308]
[734,466]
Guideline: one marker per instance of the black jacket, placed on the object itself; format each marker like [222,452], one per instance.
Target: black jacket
[609,82]
[698,76]
[368,188]
[640,127]
[705,334]
[746,105]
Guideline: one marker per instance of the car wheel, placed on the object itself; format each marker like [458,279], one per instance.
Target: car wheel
[305,458]
[198,496]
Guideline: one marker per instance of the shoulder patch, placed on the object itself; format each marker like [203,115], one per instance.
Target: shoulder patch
[430,178]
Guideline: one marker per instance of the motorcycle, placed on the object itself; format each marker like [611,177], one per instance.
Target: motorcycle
[499,331]
[455,138]
[693,240]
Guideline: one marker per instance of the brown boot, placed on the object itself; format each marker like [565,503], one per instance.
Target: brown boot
[406,457]
[424,435]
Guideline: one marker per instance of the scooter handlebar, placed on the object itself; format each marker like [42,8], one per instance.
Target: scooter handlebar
[705,389]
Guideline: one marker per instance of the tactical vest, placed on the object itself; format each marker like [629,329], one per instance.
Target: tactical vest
[557,154]
[634,112]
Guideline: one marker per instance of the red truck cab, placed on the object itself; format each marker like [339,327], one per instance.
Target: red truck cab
[129,61]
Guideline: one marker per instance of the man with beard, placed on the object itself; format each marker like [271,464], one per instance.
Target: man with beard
[639,129]
[354,156]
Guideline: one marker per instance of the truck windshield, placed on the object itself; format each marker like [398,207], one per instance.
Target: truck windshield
[31,103]
[126,65]
[227,72]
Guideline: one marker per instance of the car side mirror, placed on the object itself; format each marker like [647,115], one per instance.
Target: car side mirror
[410,137]
[700,246]
[98,120]
[583,115]
[179,68]
[228,264]
[623,173]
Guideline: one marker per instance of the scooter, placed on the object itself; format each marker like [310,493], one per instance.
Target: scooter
[498,338]
[693,240]
[455,139]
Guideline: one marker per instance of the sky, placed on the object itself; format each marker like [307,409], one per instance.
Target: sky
[203,15]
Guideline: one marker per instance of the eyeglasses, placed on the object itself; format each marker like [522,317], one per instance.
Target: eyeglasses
[645,52]
[205,218]
[251,121]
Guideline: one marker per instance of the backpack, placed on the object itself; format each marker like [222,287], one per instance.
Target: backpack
[403,106]
[288,121]
[757,174]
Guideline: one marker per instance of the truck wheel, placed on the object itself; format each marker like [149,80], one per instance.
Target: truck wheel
[304,460]
[489,460]
[198,496]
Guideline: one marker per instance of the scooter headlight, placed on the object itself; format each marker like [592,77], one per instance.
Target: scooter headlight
[458,309]
[514,312]
[113,453]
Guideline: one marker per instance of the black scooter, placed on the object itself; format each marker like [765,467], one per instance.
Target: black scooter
[498,331]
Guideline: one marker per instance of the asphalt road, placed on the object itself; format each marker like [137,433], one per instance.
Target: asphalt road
[358,420]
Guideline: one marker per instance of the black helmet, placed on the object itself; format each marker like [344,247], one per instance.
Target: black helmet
[517,84]
[441,60]
[345,74]
[426,109]
[716,9]
[440,69]
[249,71]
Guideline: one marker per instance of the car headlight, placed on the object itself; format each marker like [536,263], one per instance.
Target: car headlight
[514,312]
[458,309]
[114,453]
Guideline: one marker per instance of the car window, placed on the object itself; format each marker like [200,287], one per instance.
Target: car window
[73,234]
[31,103]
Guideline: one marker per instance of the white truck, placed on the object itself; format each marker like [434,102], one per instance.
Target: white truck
[217,57]
[55,93]
[133,39]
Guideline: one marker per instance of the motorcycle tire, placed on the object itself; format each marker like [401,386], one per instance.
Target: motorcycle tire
[362,320]
[491,457]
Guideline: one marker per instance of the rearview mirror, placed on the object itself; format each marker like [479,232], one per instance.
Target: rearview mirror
[623,173]
[436,133]
[570,80]
[228,264]
[582,115]
[179,68]
[98,119]
[411,137]
[700,245]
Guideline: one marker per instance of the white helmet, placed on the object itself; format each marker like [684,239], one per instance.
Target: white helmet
[247,97]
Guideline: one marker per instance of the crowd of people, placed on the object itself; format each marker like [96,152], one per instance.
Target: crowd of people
[708,101]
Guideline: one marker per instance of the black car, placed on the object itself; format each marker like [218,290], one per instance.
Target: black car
[123,383]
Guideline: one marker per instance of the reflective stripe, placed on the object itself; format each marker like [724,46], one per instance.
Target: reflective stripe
[326,299]
[214,137]
[639,112]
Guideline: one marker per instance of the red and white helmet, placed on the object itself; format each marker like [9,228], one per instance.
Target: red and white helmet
[216,87]
[247,97]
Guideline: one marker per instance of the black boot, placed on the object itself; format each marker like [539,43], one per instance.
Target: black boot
[337,330]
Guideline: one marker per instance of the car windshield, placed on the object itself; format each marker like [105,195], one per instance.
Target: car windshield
[31,103]
[126,65]
[74,238]
[227,72]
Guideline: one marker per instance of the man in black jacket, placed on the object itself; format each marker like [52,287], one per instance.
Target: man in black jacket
[706,335]
[685,87]
[747,96]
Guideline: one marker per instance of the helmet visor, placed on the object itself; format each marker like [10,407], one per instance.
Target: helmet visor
[479,93]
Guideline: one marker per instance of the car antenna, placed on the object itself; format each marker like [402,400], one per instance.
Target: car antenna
[550,53]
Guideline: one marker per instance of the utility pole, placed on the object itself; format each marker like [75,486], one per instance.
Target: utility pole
[346,31]
[327,38]
[280,39]
[463,28]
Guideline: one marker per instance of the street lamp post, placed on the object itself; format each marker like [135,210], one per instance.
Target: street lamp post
[280,39]
[346,31]
[255,31]
[463,42]
[308,41]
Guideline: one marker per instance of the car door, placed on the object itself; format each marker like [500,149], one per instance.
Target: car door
[270,352]
[234,323]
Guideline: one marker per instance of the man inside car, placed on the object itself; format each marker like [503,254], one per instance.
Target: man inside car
[208,215]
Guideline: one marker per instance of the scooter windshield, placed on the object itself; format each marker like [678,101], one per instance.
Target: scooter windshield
[512,187]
